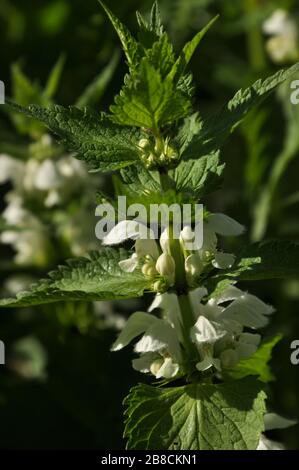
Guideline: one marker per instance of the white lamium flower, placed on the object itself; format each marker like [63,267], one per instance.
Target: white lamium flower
[193,266]
[249,311]
[10,169]
[124,230]
[160,337]
[206,332]
[283,43]
[268,444]
[47,176]
[224,225]
[136,325]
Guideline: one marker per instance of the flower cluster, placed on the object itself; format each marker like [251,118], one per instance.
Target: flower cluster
[223,332]
[156,260]
[157,154]
[224,326]
[43,181]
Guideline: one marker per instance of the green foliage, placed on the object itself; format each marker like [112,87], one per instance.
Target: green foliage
[95,139]
[199,177]
[148,100]
[97,278]
[195,417]
[257,364]
[130,45]
[276,259]
[216,128]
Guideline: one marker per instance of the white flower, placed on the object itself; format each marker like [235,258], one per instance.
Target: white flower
[137,324]
[165,266]
[277,23]
[206,332]
[159,346]
[47,176]
[10,169]
[267,444]
[224,225]
[124,230]
[283,43]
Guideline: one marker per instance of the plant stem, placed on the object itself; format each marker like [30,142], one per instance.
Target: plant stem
[255,44]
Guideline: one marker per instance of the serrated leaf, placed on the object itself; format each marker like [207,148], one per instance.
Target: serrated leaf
[130,45]
[155,20]
[161,55]
[227,416]
[198,177]
[148,100]
[94,137]
[97,278]
[257,364]
[216,129]
[276,259]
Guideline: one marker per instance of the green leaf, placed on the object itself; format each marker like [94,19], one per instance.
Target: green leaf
[148,100]
[155,20]
[257,364]
[198,177]
[97,278]
[161,55]
[93,136]
[276,259]
[216,129]
[54,78]
[189,49]
[97,88]
[227,416]
[130,45]
[24,91]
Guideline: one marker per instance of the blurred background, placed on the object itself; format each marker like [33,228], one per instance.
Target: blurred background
[61,387]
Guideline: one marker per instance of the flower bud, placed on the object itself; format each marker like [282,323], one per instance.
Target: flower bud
[149,270]
[164,241]
[193,266]
[144,143]
[165,266]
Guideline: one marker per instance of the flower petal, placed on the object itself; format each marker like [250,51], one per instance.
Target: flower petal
[249,311]
[206,332]
[123,231]
[274,421]
[158,337]
[144,362]
[267,444]
[168,369]
[130,264]
[224,225]
[137,324]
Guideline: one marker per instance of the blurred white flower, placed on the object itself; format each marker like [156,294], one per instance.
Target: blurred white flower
[282,46]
